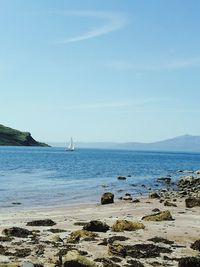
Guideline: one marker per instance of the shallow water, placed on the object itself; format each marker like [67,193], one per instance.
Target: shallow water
[51,176]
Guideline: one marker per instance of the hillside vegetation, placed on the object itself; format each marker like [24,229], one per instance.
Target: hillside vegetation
[12,137]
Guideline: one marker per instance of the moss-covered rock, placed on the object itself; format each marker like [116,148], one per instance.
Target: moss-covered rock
[159,216]
[124,225]
[81,234]
[73,258]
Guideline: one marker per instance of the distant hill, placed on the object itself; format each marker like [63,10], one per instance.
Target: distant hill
[12,137]
[183,143]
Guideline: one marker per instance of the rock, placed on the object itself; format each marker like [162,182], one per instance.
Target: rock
[74,259]
[136,200]
[196,245]
[153,195]
[55,231]
[192,202]
[107,198]
[46,222]
[124,225]
[169,204]
[155,210]
[121,178]
[55,238]
[117,250]
[159,216]
[81,234]
[96,226]
[127,198]
[17,232]
[197,172]
[189,262]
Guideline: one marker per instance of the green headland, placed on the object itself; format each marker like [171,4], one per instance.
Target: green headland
[12,137]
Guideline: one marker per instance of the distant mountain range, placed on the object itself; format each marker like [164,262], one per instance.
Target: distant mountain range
[183,143]
[13,137]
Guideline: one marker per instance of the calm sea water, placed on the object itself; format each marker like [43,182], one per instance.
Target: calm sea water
[50,176]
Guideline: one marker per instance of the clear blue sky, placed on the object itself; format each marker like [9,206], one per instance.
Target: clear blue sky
[100,70]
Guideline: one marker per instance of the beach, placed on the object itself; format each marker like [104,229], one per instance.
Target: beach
[44,246]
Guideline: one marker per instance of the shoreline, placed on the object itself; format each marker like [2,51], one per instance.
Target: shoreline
[165,242]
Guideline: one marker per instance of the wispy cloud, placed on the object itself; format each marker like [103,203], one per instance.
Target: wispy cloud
[111,105]
[120,65]
[111,22]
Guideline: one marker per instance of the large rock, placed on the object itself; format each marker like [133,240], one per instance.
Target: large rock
[189,262]
[124,225]
[153,195]
[107,198]
[196,245]
[96,226]
[17,232]
[159,216]
[192,202]
[46,222]
[74,259]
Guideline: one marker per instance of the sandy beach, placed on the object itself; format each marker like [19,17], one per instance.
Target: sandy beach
[183,230]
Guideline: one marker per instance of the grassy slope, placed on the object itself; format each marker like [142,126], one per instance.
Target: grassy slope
[12,137]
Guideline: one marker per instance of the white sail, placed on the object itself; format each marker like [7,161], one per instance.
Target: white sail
[71,145]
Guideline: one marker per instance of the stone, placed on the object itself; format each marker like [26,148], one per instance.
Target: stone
[136,200]
[121,178]
[107,198]
[196,245]
[192,202]
[74,259]
[17,232]
[46,222]
[189,262]
[81,234]
[124,225]
[159,216]
[153,195]
[169,204]
[96,226]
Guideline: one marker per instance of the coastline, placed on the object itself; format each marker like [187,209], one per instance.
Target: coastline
[183,230]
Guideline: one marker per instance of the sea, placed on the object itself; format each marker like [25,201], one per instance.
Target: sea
[32,177]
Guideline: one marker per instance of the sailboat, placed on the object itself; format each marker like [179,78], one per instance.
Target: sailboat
[70,147]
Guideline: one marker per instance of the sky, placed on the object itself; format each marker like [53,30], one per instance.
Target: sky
[100,70]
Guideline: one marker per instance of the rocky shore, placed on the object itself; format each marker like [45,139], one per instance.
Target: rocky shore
[161,229]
